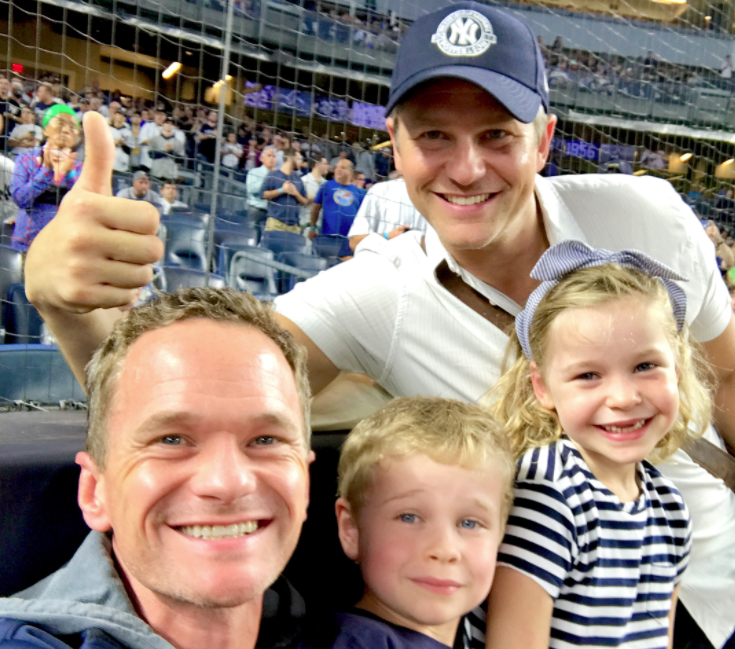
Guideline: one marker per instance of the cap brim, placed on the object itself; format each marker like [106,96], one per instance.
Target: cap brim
[519,100]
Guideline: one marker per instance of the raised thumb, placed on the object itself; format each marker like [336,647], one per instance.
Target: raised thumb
[99,155]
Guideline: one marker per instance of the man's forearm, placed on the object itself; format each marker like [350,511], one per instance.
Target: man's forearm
[271,194]
[315,209]
[303,201]
[79,335]
[355,241]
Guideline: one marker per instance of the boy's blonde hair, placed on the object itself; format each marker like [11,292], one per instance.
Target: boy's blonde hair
[448,431]
[515,405]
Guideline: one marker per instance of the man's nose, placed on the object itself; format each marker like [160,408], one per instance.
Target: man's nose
[467,163]
[222,471]
[622,393]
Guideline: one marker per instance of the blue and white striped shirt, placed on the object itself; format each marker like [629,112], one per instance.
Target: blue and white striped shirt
[611,567]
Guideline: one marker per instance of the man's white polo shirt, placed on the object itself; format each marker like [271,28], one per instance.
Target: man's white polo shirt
[384,314]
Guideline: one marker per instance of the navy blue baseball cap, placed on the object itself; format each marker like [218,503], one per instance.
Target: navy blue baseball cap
[486,46]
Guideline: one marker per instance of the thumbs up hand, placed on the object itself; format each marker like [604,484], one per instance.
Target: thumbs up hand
[98,250]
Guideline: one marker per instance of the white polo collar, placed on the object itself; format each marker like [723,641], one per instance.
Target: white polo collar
[560,226]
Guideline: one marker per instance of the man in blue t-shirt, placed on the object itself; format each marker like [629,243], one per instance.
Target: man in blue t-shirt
[339,199]
[284,191]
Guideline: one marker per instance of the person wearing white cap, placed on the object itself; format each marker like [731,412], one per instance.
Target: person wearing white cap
[470,128]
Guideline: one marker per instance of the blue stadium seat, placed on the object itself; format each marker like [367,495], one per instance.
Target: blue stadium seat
[227,249]
[302,262]
[175,277]
[328,245]
[22,322]
[36,373]
[280,242]
[251,275]
[225,230]
[11,269]
[186,242]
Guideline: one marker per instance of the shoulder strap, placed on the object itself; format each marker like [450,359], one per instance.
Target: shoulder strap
[707,455]
[473,299]
[710,457]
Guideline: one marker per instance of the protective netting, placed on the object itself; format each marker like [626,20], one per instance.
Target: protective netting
[640,87]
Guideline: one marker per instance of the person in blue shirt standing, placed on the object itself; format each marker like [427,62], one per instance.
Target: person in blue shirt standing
[284,191]
[339,199]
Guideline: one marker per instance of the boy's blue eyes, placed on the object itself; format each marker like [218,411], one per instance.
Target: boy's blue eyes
[466,524]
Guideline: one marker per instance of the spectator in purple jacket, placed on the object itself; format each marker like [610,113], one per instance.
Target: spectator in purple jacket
[43,175]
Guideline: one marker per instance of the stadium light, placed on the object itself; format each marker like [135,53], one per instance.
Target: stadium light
[728,162]
[686,156]
[171,70]
[670,2]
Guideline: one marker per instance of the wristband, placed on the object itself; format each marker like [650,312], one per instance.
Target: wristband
[280,190]
[385,234]
[310,227]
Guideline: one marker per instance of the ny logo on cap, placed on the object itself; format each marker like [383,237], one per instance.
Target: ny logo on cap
[464,33]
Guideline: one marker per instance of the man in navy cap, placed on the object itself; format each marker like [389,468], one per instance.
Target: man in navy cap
[470,128]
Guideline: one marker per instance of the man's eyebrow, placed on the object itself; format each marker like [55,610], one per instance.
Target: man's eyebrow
[277,420]
[166,419]
[186,421]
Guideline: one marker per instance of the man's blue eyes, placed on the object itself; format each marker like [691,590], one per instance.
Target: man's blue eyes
[176,440]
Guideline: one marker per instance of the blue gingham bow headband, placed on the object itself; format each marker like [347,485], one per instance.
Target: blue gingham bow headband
[565,257]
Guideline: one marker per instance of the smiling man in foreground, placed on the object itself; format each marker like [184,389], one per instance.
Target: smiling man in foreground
[195,482]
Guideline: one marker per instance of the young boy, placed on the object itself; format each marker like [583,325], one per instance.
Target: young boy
[425,488]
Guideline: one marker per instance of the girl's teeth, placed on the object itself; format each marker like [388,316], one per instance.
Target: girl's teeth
[628,429]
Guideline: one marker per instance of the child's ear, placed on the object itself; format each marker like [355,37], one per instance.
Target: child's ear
[539,387]
[347,526]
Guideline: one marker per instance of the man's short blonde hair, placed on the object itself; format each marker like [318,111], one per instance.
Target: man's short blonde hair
[215,304]
[447,431]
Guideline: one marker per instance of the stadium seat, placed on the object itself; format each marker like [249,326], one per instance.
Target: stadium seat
[22,322]
[301,261]
[186,242]
[327,245]
[234,231]
[6,232]
[11,269]
[175,277]
[280,242]
[227,249]
[251,275]
[36,373]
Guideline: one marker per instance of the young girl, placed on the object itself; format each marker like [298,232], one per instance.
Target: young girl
[605,382]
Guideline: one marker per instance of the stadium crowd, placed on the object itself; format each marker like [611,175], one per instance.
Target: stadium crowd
[175,144]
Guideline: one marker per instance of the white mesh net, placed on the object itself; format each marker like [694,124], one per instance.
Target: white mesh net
[639,87]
